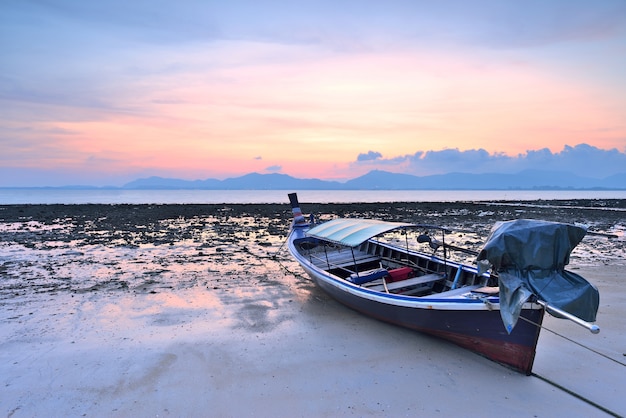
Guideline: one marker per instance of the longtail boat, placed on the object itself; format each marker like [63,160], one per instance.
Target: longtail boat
[494,307]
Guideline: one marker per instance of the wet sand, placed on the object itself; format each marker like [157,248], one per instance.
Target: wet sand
[197,310]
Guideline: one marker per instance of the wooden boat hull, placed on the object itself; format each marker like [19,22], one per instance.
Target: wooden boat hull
[469,322]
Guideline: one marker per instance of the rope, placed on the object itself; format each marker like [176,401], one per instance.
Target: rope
[282,245]
[279,261]
[576,395]
[575,342]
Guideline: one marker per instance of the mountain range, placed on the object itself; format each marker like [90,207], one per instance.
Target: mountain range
[383,180]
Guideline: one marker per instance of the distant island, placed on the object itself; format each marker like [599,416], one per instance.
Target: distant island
[378,180]
[383,180]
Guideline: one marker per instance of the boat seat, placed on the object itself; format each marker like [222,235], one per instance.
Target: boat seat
[342,260]
[368,275]
[420,280]
[454,293]
[359,260]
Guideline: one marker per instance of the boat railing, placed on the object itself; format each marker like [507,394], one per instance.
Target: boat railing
[346,262]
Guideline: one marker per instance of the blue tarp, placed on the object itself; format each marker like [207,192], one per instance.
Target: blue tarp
[530,257]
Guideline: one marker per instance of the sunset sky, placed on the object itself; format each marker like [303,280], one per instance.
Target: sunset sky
[101,93]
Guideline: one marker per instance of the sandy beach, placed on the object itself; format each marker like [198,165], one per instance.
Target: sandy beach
[197,310]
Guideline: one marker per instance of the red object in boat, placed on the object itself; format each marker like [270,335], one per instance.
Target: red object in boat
[401,273]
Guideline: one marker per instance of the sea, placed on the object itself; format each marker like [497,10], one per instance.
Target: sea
[45,196]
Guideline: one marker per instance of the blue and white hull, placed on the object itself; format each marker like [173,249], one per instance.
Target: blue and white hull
[440,298]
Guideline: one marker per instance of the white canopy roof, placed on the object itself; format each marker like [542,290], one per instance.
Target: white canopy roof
[352,232]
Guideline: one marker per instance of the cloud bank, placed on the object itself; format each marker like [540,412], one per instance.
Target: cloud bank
[583,159]
[369,156]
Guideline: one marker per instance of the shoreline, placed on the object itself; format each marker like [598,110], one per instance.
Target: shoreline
[141,247]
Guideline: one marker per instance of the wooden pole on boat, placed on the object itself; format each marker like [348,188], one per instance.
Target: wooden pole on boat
[591,327]
[600,234]
[298,218]
[356,269]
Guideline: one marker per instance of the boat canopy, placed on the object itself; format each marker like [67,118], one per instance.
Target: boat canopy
[353,232]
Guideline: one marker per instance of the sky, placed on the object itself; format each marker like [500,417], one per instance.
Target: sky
[102,93]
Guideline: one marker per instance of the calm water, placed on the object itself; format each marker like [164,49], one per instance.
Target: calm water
[52,196]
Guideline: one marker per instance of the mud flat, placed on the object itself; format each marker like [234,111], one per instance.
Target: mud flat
[196,310]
